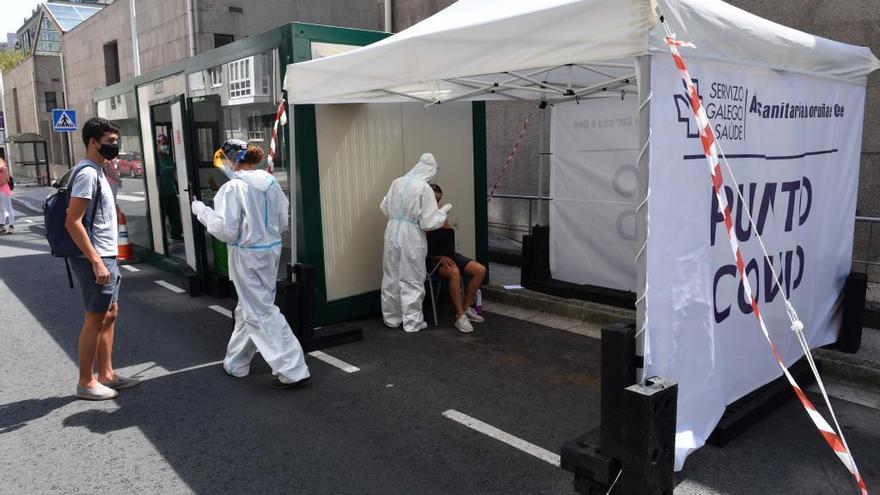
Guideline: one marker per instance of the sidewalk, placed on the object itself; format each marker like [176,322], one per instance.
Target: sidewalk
[861,369]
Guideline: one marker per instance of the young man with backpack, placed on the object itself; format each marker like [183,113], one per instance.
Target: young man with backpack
[91,224]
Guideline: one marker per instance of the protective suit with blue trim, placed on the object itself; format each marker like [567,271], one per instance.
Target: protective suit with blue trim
[411,209]
[250,213]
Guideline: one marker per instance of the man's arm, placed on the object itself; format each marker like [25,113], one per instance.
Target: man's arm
[75,211]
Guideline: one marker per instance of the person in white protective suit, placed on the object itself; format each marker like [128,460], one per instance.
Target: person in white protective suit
[411,209]
[250,214]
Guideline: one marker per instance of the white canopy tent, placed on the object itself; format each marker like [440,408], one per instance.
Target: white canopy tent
[562,50]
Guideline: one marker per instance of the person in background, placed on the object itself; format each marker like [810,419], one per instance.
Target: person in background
[250,213]
[451,269]
[8,226]
[168,199]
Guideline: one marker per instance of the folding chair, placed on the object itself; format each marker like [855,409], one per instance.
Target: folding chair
[441,242]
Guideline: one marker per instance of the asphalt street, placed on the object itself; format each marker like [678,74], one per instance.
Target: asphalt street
[384,416]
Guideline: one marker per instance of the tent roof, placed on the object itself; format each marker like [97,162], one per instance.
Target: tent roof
[485,49]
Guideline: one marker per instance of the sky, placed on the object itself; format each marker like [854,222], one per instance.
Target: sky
[14,14]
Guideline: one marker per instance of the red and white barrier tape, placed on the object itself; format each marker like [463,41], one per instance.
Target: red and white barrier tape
[514,151]
[834,438]
[280,119]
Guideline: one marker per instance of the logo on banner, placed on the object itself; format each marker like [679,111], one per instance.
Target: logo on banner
[728,105]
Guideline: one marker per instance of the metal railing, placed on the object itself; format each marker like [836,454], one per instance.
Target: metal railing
[867,262]
[516,227]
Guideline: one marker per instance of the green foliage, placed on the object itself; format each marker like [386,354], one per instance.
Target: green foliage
[9,59]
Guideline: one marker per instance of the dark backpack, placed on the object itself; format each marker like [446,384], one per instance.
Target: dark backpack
[55,215]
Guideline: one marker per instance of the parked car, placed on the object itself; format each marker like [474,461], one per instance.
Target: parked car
[130,164]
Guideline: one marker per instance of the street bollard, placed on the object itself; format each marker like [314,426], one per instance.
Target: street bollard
[618,370]
[649,412]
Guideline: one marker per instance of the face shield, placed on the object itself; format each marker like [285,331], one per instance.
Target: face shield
[230,154]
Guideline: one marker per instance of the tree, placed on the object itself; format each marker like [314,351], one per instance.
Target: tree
[10,58]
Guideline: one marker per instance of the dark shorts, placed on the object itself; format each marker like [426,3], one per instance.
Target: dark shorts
[459,259]
[96,298]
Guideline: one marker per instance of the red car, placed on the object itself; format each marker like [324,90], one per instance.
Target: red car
[130,164]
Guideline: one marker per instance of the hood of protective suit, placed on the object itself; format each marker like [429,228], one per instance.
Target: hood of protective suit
[426,169]
[257,179]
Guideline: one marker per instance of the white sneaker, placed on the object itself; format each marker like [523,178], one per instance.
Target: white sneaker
[98,392]
[473,316]
[463,324]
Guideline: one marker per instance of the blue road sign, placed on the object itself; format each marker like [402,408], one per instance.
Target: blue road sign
[63,120]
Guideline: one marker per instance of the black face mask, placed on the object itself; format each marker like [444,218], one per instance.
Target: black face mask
[109,151]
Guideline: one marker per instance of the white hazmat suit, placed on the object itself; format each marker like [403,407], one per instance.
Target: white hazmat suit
[411,209]
[249,214]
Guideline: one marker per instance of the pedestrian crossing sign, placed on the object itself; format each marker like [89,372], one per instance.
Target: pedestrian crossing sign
[63,120]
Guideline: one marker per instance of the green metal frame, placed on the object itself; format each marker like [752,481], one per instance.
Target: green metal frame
[310,236]
[293,42]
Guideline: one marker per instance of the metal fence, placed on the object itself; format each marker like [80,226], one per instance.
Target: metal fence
[518,227]
[865,255]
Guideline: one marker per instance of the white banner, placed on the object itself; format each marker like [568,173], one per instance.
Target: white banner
[793,143]
[594,186]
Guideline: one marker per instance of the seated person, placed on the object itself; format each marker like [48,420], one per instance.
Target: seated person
[451,270]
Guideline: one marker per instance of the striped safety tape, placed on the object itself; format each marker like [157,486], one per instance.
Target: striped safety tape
[514,151]
[707,137]
[280,119]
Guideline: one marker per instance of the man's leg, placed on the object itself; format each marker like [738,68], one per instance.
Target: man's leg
[88,347]
[477,272]
[105,345]
[453,278]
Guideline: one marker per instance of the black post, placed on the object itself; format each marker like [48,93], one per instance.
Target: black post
[304,275]
[850,337]
[649,411]
[618,372]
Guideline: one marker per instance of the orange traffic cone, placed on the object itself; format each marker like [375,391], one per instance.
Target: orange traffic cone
[125,253]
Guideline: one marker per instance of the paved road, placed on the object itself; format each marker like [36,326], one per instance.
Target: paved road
[378,430]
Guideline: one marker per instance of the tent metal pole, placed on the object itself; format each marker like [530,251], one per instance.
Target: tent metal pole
[417,98]
[599,86]
[536,81]
[501,92]
[643,71]
[292,180]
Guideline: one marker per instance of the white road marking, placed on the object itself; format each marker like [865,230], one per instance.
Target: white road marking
[171,287]
[139,193]
[126,197]
[334,362]
[130,268]
[502,436]
[28,220]
[223,311]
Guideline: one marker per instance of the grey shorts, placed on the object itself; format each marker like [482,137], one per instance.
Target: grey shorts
[96,298]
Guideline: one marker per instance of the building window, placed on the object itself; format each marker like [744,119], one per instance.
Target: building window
[51,101]
[265,72]
[255,127]
[111,63]
[15,110]
[222,39]
[239,74]
[217,76]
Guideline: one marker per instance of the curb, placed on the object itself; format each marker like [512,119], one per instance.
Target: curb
[569,308]
[848,368]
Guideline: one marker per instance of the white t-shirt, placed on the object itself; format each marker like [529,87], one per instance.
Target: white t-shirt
[104,233]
